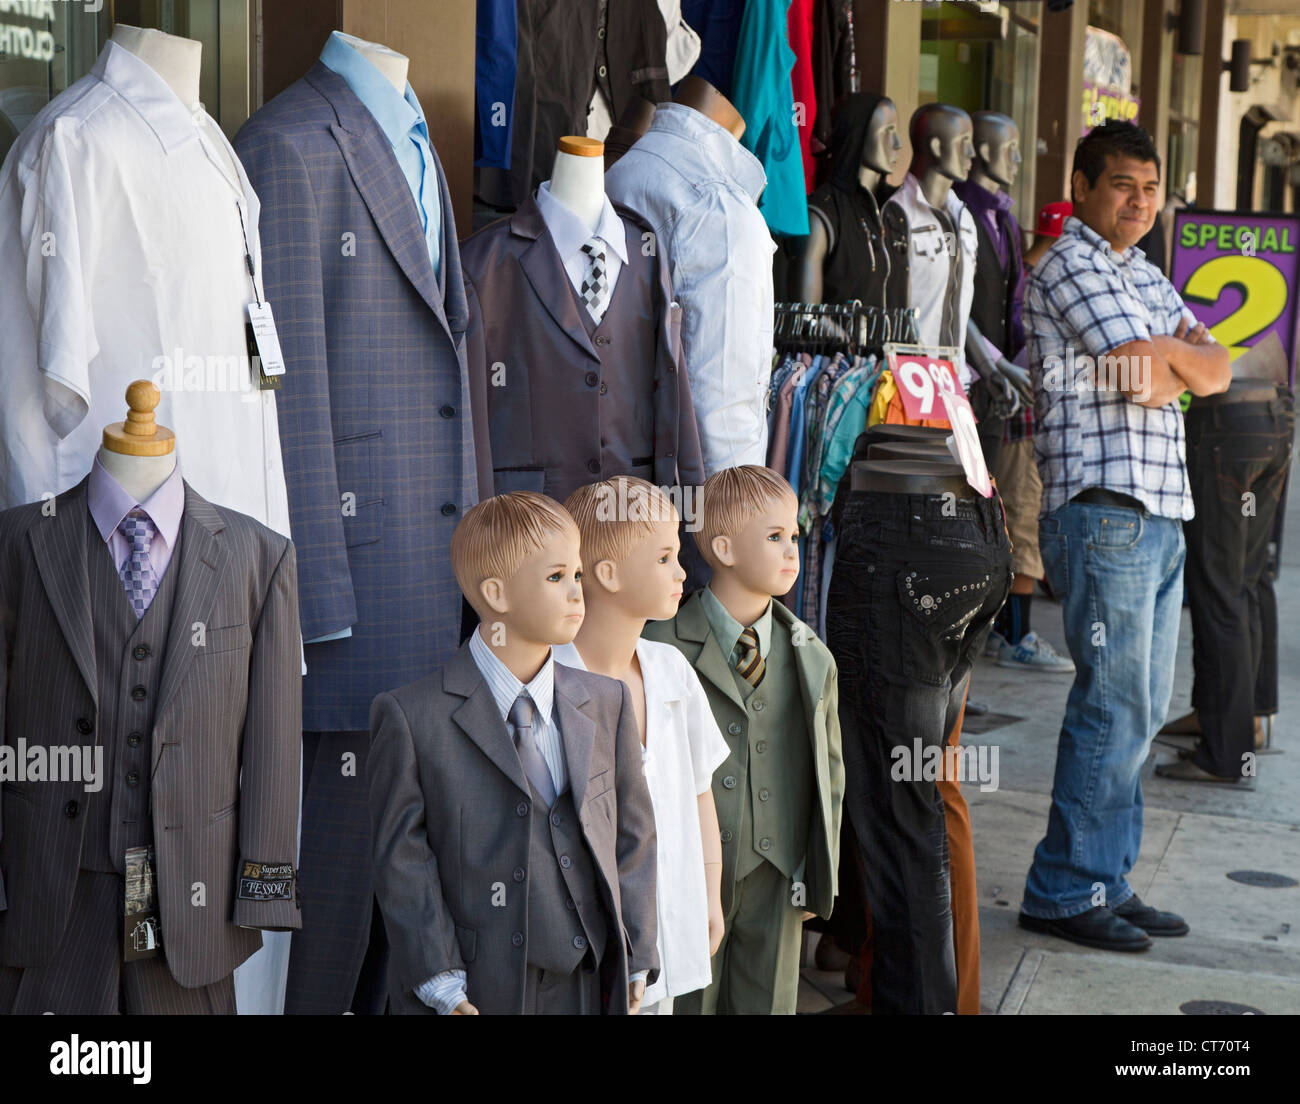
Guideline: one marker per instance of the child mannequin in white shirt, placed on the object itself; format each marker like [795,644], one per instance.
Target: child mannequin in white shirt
[631,575]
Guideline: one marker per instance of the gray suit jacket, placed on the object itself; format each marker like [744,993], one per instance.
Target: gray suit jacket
[449,811]
[226,741]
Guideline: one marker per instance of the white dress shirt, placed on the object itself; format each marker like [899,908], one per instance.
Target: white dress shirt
[120,224]
[929,266]
[698,189]
[683,748]
[570,234]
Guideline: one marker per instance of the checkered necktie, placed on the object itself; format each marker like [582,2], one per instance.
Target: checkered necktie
[595,285]
[136,571]
[749,660]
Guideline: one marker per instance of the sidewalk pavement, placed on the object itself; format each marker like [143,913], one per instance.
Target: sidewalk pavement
[1244,946]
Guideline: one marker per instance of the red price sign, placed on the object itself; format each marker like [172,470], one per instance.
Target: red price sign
[966,439]
[922,382]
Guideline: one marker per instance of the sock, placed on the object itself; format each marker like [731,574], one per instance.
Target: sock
[1013,619]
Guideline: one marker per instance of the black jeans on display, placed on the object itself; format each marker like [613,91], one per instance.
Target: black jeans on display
[1237,459]
[917,582]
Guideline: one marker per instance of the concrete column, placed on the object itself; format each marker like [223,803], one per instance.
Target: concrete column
[1213,89]
[887,41]
[1060,99]
[1155,73]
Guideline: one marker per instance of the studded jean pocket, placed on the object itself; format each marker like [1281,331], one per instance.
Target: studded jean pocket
[939,605]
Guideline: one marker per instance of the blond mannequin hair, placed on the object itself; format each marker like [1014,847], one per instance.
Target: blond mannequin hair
[730,497]
[495,537]
[613,514]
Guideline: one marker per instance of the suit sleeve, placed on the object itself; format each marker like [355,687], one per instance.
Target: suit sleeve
[7,620]
[476,362]
[271,763]
[635,847]
[835,757]
[408,884]
[289,228]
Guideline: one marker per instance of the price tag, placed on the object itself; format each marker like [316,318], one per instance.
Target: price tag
[966,442]
[922,382]
[264,345]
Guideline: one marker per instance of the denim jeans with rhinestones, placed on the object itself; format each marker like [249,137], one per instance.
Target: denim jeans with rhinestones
[917,582]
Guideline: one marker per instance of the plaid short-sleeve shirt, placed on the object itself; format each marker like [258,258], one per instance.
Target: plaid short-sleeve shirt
[1082,300]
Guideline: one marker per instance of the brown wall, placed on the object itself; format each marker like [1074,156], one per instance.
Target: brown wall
[293,32]
[1060,92]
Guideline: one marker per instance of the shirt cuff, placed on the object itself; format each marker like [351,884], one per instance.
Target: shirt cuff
[640,975]
[444,992]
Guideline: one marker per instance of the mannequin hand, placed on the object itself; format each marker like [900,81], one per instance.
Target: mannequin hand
[1019,379]
[716,927]
[464,1009]
[1000,387]
[635,993]
[808,915]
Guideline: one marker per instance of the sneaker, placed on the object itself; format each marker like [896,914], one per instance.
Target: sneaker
[993,648]
[1033,653]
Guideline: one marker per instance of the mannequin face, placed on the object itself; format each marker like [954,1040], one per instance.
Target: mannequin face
[880,151]
[764,556]
[1000,155]
[541,603]
[955,151]
[647,582]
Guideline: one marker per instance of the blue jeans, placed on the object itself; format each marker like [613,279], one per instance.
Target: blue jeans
[1119,576]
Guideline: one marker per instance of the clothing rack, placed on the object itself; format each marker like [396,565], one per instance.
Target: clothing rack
[853,328]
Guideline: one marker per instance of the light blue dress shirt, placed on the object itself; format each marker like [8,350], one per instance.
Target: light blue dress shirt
[402,121]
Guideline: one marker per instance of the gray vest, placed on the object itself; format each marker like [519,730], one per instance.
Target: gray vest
[128,665]
[565,914]
[779,770]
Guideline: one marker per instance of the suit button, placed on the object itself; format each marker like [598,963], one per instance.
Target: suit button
[135,738]
[602,340]
[142,651]
[447,411]
[139,693]
[555,819]
[729,782]
[765,844]
[519,874]
[759,707]
[568,903]
[592,379]
[70,809]
[593,466]
[85,726]
[448,508]
[761,746]
[517,939]
[579,942]
[763,795]
[734,728]
[725,835]
[133,778]
[521,809]
[603,389]
[565,861]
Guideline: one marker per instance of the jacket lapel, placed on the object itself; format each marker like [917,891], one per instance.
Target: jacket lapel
[203,563]
[59,548]
[577,731]
[693,624]
[478,718]
[550,283]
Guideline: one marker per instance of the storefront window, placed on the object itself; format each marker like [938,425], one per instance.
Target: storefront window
[1184,107]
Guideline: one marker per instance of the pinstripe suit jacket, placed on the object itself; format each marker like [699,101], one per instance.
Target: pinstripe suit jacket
[378,428]
[228,705]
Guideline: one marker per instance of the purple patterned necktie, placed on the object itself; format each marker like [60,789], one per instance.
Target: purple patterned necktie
[137,572]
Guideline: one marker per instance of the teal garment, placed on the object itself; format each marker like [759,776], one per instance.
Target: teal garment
[761,91]
[839,448]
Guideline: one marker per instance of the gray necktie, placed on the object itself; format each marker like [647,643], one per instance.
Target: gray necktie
[521,717]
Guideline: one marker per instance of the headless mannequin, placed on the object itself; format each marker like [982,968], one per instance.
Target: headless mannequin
[877,160]
[697,93]
[578,179]
[390,63]
[137,452]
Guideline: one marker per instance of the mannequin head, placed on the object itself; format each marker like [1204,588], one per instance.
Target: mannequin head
[881,149]
[864,141]
[517,560]
[749,531]
[943,140]
[628,529]
[997,150]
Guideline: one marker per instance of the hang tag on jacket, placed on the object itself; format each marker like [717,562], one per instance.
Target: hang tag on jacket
[142,931]
[264,345]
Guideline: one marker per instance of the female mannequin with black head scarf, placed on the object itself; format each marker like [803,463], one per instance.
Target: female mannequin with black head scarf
[850,253]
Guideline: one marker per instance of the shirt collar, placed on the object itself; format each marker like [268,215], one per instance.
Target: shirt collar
[979,199]
[109,503]
[727,630]
[719,147]
[503,684]
[397,115]
[172,122]
[658,688]
[1077,228]
[570,234]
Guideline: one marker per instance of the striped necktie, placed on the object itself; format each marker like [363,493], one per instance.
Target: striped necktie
[749,660]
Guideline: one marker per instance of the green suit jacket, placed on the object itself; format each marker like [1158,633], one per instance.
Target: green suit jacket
[689,631]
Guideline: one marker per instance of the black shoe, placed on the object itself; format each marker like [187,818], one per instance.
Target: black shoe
[1098,927]
[1152,921]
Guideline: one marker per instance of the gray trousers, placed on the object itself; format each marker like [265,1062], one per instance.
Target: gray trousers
[88,976]
[551,994]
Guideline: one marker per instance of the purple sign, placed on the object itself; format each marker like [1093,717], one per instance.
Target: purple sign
[1240,275]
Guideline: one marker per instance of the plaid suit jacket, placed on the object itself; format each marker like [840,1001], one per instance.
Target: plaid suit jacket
[378,428]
